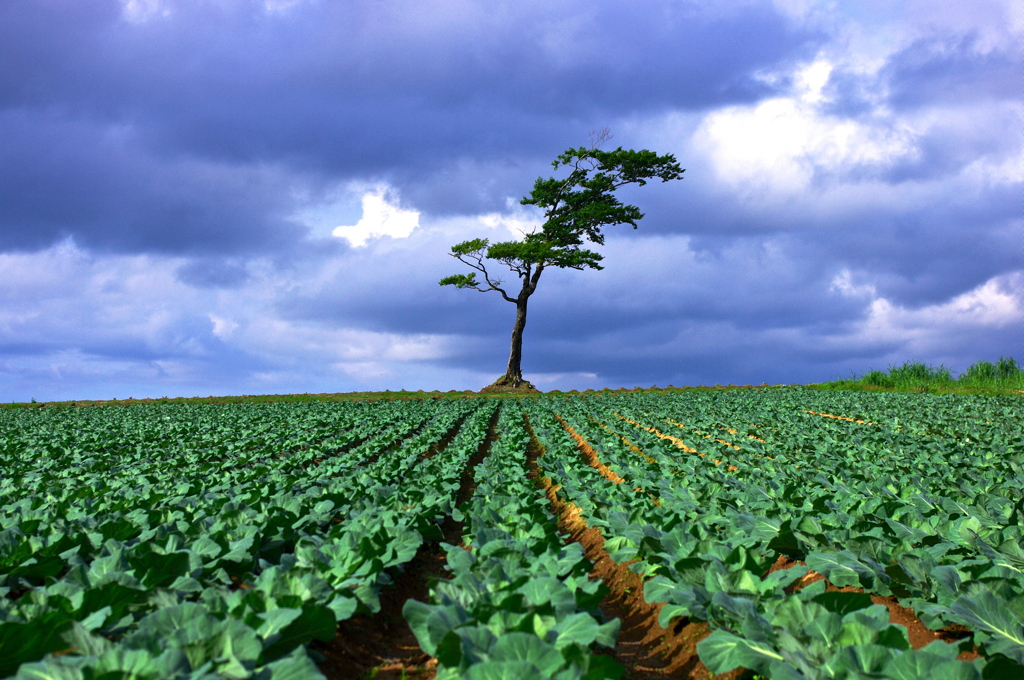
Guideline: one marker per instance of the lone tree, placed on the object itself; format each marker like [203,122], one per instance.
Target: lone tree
[575,210]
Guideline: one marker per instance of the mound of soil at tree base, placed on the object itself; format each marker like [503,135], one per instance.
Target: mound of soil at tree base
[502,387]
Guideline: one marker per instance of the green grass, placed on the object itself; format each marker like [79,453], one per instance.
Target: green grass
[983,377]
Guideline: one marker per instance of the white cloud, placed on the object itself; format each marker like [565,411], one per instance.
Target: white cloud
[276,337]
[780,144]
[141,11]
[380,218]
[844,284]
[880,27]
[110,325]
[996,304]
[796,9]
[987,171]
[517,221]
[99,325]
[779,148]
[280,6]
[64,293]
[222,328]
[811,80]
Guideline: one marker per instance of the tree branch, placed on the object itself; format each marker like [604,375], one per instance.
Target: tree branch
[479,266]
[536,277]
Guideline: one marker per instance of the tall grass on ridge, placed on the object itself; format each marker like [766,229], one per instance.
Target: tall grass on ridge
[1005,374]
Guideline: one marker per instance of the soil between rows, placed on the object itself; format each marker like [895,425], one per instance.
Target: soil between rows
[646,649]
[382,645]
[918,634]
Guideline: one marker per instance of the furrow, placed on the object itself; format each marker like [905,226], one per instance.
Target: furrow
[646,649]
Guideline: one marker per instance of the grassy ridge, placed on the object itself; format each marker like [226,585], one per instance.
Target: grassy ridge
[983,377]
[1005,376]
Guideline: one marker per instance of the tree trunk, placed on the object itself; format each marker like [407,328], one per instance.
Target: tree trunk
[514,373]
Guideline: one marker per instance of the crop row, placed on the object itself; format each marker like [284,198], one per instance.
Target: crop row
[519,603]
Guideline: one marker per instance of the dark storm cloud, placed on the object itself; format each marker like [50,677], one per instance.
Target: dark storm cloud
[953,71]
[695,353]
[89,181]
[232,68]
[851,94]
[923,254]
[210,273]
[105,119]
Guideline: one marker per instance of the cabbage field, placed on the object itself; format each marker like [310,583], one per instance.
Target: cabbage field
[776,533]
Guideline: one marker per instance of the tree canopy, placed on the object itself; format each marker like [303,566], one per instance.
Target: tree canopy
[576,209]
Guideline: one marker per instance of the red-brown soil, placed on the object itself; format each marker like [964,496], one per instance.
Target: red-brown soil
[589,454]
[382,644]
[679,442]
[644,648]
[918,633]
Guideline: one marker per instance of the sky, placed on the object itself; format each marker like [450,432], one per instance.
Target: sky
[224,197]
